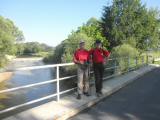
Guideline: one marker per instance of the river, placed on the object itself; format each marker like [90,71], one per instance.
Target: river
[26,77]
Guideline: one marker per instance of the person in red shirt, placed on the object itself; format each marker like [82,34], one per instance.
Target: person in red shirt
[81,58]
[98,58]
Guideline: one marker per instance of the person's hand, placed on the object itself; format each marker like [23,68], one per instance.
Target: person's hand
[80,62]
[104,62]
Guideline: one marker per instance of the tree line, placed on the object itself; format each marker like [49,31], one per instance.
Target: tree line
[32,48]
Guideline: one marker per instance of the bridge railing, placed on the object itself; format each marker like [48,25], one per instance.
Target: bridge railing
[133,63]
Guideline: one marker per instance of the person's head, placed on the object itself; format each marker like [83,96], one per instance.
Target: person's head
[98,44]
[81,44]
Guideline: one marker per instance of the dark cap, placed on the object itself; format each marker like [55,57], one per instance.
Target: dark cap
[98,42]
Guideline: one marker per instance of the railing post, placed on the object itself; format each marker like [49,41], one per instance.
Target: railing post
[115,65]
[58,95]
[153,59]
[128,63]
[147,59]
[142,60]
[136,62]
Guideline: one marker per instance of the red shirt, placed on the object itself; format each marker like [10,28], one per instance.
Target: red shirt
[99,54]
[81,55]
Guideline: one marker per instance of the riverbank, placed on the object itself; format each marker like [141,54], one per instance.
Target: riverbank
[27,58]
[5,76]
[24,62]
[7,72]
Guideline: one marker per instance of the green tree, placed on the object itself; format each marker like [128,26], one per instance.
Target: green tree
[46,48]
[20,48]
[93,29]
[128,21]
[31,48]
[122,52]
[9,35]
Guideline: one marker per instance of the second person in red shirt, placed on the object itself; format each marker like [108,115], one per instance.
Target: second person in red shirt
[98,55]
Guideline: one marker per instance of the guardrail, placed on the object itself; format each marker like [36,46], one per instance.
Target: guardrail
[116,65]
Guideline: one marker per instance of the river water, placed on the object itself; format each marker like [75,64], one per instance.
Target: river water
[26,77]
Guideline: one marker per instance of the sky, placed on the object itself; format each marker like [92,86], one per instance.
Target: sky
[51,21]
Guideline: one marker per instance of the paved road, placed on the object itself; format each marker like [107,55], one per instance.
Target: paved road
[138,101]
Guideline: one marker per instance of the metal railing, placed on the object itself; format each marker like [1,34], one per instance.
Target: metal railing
[58,79]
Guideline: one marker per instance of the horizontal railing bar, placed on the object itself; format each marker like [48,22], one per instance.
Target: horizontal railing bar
[119,58]
[27,86]
[27,103]
[68,90]
[35,101]
[44,66]
[65,78]
[36,84]
[111,68]
[117,74]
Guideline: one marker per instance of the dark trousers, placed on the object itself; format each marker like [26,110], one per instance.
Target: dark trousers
[98,72]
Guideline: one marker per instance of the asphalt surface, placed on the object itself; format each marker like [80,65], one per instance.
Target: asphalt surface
[138,101]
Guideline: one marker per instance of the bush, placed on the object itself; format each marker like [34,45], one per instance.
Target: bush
[49,59]
[3,61]
[42,54]
[123,52]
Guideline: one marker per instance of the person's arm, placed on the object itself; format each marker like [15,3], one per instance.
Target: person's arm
[75,58]
[106,53]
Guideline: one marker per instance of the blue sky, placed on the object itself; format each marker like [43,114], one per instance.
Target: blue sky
[51,21]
